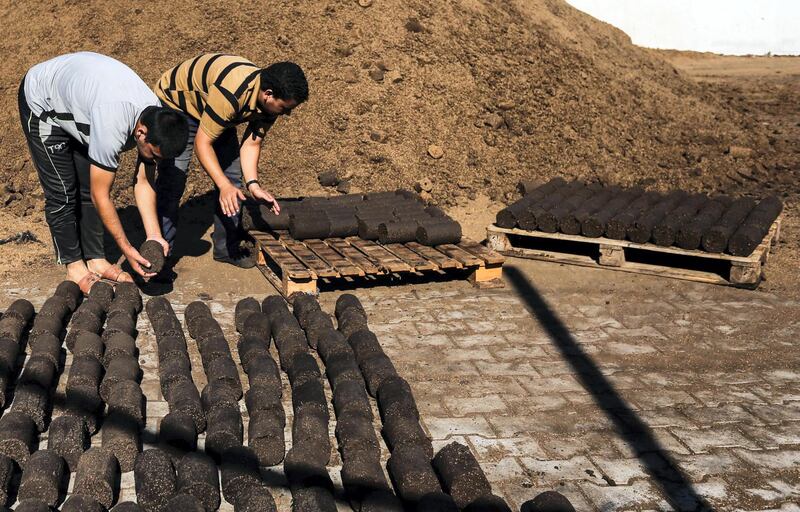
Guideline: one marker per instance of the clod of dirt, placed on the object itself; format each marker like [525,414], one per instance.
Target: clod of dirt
[494,121]
[350,74]
[344,187]
[153,252]
[328,178]
[435,152]
[414,25]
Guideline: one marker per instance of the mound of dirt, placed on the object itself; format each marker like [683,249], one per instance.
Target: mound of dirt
[473,95]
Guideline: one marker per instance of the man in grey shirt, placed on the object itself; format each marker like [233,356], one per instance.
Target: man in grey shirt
[79,112]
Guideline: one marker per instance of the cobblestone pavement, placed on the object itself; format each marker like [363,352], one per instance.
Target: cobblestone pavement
[623,392]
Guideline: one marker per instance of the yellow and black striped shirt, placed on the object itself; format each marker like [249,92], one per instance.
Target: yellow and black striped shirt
[220,91]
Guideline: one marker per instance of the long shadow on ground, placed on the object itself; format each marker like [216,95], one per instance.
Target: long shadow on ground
[636,433]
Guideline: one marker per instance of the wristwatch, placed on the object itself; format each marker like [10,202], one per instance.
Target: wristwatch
[247,185]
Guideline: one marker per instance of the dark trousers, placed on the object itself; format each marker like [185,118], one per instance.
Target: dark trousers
[63,168]
[171,183]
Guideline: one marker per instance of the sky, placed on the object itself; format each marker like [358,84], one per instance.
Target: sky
[733,27]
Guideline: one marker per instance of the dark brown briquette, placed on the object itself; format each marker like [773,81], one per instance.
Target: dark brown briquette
[302,305]
[83,384]
[549,221]
[34,401]
[249,348]
[174,368]
[570,223]
[78,330]
[17,436]
[755,227]
[213,348]
[56,307]
[257,325]
[224,369]
[38,370]
[617,226]
[309,225]
[717,236]
[365,344]
[33,506]
[318,323]
[304,466]
[184,503]
[356,435]
[260,398]
[461,475]
[691,233]
[184,397]
[302,369]
[167,345]
[244,309]
[21,309]
[88,344]
[509,216]
[412,474]
[436,502]
[538,211]
[381,500]
[119,324]
[225,431]
[155,480]
[313,499]
[397,232]
[641,229]
[47,324]
[309,428]
[239,470]
[342,368]
[126,308]
[265,436]
[343,225]
[376,369]
[548,501]
[127,506]
[193,313]
[91,306]
[289,347]
[332,342]
[126,399]
[274,306]
[197,475]
[439,231]
[68,438]
[264,372]
[369,224]
[283,325]
[352,320]
[491,503]
[97,476]
[165,324]
[595,224]
[42,477]
[121,434]
[255,498]
[218,394]
[122,367]
[88,417]
[78,503]
[129,292]
[153,252]
[117,344]
[346,301]
[310,397]
[261,218]
[402,432]
[396,398]
[665,231]
[12,328]
[48,348]
[362,474]
[102,293]
[350,400]
[177,434]
[71,292]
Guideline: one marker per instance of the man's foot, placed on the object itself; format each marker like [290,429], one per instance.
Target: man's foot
[244,259]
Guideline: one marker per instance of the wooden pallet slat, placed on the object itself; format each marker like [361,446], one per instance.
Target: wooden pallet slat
[460,255]
[351,253]
[342,264]
[287,261]
[481,251]
[386,260]
[320,267]
[413,259]
[444,262]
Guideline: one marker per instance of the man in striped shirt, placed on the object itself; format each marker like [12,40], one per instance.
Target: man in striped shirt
[218,92]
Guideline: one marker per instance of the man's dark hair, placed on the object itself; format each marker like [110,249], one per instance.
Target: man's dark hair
[286,80]
[167,129]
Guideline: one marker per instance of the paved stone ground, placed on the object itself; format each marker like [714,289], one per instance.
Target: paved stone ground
[623,392]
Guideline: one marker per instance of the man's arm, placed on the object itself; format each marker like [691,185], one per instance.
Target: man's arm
[248,156]
[229,194]
[145,195]
[100,181]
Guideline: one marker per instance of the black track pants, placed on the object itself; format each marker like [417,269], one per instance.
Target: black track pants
[63,169]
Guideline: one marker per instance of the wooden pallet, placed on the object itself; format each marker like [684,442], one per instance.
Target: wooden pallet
[743,271]
[295,266]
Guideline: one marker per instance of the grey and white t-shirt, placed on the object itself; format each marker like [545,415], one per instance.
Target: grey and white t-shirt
[94,98]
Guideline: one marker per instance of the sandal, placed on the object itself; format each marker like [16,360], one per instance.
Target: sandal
[114,272]
[87,281]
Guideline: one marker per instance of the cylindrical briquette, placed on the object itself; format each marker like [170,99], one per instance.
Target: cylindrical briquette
[396,398]
[42,477]
[184,503]
[218,394]
[255,498]
[397,232]
[174,368]
[616,227]
[490,503]
[33,506]
[641,229]
[70,291]
[461,475]
[376,369]
[365,344]
[595,223]
[548,501]
[21,309]
[197,476]
[121,435]
[153,252]
[6,472]
[47,324]
[264,372]
[97,476]
[249,348]
[302,305]
[102,293]
[83,384]
[78,503]
[34,401]
[717,236]
[89,344]
[438,232]
[239,469]
[55,306]
[38,370]
[177,434]
[404,431]
[127,506]
[245,308]
[225,431]
[122,367]
[126,399]
[68,438]
[691,233]
[155,480]
[313,499]
[350,399]
[119,324]
[310,397]
[356,435]
[302,369]
[184,397]
[412,474]
[118,344]
[755,227]
[224,369]
[265,436]
[309,225]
